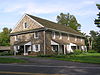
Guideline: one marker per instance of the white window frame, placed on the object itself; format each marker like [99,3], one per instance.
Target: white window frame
[60,37]
[81,39]
[53,35]
[68,37]
[16,39]
[36,33]
[24,25]
[76,38]
[34,47]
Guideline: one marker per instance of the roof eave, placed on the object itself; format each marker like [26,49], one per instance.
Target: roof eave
[64,32]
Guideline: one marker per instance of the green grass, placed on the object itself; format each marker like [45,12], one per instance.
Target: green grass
[84,58]
[11,60]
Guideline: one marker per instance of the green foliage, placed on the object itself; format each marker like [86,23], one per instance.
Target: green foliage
[97,44]
[97,21]
[83,57]
[68,20]
[92,51]
[11,60]
[4,37]
[76,52]
[6,53]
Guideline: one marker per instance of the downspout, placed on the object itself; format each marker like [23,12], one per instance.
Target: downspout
[44,43]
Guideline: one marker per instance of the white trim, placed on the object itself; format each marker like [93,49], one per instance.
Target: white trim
[81,39]
[34,20]
[54,43]
[60,37]
[64,49]
[34,47]
[64,32]
[75,38]
[22,18]
[68,37]
[18,22]
[53,34]
[24,25]
[16,38]
[36,33]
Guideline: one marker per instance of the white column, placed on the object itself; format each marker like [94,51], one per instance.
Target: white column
[44,44]
[58,49]
[24,50]
[64,49]
[15,49]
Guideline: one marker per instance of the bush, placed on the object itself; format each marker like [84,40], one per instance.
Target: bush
[44,55]
[6,53]
[92,51]
[76,52]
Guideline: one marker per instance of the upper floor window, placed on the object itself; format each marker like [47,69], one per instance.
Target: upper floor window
[76,38]
[60,37]
[25,25]
[53,35]
[16,38]
[36,35]
[81,39]
[68,37]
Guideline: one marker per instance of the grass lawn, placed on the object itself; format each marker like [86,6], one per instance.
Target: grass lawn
[11,60]
[84,58]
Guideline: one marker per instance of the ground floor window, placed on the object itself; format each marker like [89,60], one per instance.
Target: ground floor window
[54,47]
[73,47]
[36,47]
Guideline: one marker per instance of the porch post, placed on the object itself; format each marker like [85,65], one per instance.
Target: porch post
[64,49]
[58,49]
[76,47]
[44,43]
[15,49]
[24,50]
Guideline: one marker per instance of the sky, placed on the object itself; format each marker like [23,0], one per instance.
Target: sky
[85,11]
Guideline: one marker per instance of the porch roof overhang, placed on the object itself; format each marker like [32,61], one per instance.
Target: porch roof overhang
[79,44]
[22,43]
[61,42]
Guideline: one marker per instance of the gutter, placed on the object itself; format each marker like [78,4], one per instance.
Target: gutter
[44,28]
[64,32]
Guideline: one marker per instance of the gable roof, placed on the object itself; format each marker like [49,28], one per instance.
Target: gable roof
[53,25]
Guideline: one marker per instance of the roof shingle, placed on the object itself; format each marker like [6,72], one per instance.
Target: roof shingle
[53,25]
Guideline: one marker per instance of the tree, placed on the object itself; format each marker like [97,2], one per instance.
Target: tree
[97,43]
[4,37]
[92,38]
[97,21]
[68,20]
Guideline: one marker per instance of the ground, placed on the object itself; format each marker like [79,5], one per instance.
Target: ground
[42,66]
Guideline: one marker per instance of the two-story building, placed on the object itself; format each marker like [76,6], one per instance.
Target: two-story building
[33,35]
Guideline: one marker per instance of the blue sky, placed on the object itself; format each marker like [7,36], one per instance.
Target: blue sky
[84,10]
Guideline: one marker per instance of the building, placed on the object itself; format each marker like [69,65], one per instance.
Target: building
[33,35]
[5,48]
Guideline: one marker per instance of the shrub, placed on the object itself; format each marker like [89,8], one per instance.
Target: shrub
[76,52]
[92,51]
[6,53]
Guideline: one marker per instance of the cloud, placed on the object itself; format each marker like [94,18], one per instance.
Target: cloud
[48,7]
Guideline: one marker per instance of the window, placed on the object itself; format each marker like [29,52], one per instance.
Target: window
[36,47]
[36,35]
[81,39]
[25,25]
[60,37]
[75,38]
[68,37]
[16,38]
[54,48]
[53,35]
